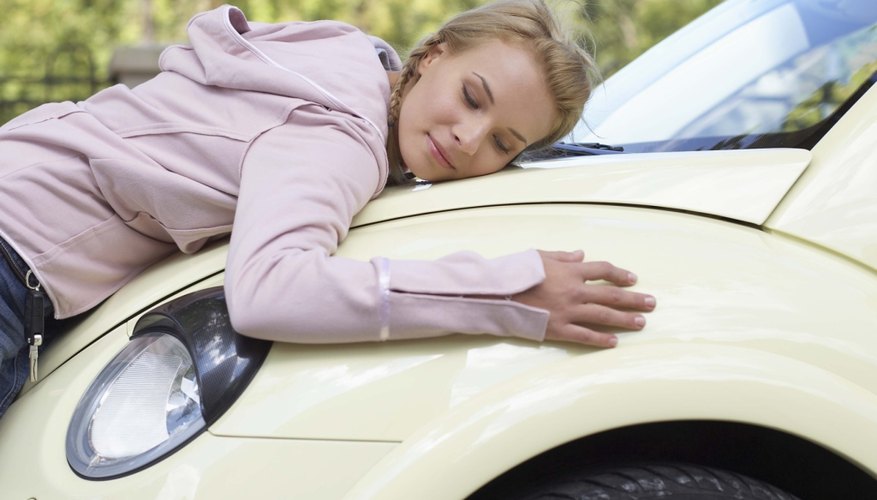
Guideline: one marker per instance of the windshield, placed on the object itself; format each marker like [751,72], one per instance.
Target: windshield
[748,74]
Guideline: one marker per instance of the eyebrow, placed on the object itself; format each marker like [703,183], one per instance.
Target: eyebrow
[490,97]
[486,87]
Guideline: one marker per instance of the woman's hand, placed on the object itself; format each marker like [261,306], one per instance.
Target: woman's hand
[579,310]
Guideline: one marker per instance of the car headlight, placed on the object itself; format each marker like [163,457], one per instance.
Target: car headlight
[183,368]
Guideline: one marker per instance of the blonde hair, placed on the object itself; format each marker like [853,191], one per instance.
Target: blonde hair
[568,68]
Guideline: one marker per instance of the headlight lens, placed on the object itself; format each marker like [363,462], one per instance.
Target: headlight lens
[144,404]
[184,367]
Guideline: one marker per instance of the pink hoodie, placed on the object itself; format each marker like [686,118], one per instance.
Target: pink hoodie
[277,130]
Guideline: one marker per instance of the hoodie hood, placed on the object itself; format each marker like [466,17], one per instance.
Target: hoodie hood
[297,59]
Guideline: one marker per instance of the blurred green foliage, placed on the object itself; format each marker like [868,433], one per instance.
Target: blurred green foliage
[623,29]
[60,49]
[827,98]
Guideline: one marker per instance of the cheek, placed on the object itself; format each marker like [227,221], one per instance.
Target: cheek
[433,99]
[412,107]
[410,130]
[422,110]
[404,133]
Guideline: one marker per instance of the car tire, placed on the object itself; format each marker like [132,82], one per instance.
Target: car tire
[650,481]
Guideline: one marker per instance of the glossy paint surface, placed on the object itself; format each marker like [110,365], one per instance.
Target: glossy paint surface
[590,393]
[835,204]
[744,185]
[717,284]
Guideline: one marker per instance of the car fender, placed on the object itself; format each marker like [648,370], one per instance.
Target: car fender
[468,446]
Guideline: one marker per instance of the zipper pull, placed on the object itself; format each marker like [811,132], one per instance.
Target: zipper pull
[34,357]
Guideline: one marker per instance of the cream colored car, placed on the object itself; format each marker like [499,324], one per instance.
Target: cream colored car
[744,198]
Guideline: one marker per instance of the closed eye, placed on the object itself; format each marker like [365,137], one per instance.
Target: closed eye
[501,145]
[470,100]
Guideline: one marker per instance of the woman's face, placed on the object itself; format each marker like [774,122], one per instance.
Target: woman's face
[472,112]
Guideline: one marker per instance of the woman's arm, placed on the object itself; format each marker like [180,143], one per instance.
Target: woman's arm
[301,185]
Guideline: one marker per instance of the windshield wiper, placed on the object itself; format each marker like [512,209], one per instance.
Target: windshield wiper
[569,149]
[587,148]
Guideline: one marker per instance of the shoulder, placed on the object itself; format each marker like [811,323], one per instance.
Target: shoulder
[325,31]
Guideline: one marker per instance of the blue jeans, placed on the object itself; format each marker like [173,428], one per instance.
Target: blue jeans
[14,362]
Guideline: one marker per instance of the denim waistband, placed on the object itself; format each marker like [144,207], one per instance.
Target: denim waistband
[15,262]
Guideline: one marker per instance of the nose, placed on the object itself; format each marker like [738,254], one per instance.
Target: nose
[470,133]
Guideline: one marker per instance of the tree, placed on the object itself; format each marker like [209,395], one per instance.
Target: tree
[68,43]
[623,29]
[52,50]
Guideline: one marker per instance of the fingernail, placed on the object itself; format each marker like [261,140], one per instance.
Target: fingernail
[650,302]
[640,321]
[631,277]
[613,341]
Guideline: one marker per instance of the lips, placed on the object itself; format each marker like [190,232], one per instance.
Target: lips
[438,153]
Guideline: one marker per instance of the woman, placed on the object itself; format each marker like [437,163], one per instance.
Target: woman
[279,134]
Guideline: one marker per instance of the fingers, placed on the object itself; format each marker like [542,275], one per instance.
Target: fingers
[583,335]
[572,257]
[615,297]
[602,307]
[581,310]
[592,271]
[585,322]
[587,317]
[602,316]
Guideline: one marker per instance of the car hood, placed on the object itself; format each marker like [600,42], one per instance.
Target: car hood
[727,291]
[744,185]
[728,295]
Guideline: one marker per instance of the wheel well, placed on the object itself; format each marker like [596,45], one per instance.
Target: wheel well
[788,462]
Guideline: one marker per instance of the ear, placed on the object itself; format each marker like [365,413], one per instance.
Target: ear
[435,53]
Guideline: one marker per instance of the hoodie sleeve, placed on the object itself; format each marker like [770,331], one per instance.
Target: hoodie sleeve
[301,185]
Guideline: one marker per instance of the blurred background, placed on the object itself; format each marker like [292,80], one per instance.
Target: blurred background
[55,50]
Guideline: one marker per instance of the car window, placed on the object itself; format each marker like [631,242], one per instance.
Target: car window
[754,74]
[795,95]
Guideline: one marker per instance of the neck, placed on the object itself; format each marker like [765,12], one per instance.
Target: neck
[393,77]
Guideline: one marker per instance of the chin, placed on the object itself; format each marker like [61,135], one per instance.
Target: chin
[430,174]
[425,172]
